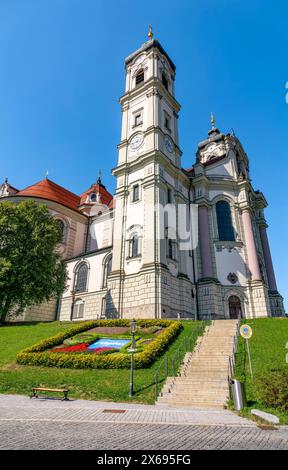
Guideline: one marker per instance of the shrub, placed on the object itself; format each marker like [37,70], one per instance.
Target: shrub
[151,329]
[272,388]
[81,338]
[38,354]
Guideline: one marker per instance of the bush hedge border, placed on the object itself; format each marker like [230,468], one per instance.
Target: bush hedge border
[38,355]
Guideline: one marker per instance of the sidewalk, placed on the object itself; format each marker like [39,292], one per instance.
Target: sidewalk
[15,407]
[38,424]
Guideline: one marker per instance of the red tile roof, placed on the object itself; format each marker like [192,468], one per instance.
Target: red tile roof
[46,189]
[105,196]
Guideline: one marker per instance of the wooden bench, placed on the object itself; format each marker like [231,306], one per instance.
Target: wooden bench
[52,390]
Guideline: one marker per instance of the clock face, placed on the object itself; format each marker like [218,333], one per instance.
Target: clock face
[136,141]
[169,145]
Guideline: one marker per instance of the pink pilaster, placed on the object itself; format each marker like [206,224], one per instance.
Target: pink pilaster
[205,252]
[253,263]
[267,258]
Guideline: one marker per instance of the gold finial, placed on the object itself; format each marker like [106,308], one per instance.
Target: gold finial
[150,32]
[212,121]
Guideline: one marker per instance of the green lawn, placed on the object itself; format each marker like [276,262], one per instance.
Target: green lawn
[268,347]
[88,384]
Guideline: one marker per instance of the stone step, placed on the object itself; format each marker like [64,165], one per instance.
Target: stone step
[196,394]
[189,385]
[202,382]
[214,374]
[211,368]
[198,404]
[194,407]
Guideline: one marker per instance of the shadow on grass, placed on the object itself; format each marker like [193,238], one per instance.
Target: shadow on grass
[28,323]
[152,384]
[251,403]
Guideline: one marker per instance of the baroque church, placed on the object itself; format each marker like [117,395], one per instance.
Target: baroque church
[124,260]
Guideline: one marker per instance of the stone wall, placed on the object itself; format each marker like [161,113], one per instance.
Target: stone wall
[43,312]
[92,306]
[276,304]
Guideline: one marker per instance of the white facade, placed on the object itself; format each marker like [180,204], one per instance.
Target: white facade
[126,260]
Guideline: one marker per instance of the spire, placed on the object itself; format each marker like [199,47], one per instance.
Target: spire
[99,177]
[212,121]
[214,129]
[150,32]
[46,174]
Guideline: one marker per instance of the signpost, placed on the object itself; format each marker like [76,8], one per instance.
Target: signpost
[246,333]
[132,350]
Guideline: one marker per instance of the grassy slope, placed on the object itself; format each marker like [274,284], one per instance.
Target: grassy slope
[89,384]
[268,350]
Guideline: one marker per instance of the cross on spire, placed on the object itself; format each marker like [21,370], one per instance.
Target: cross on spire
[212,120]
[150,32]
[213,130]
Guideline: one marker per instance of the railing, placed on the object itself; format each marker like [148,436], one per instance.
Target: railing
[232,359]
[170,365]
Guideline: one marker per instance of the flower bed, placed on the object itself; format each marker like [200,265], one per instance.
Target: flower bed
[84,347]
[72,349]
[41,354]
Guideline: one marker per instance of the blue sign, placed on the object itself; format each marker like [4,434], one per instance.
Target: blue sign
[109,343]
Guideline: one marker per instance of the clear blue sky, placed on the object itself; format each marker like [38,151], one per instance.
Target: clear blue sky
[62,72]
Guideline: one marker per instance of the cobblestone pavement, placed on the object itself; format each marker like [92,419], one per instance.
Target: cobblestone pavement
[51,424]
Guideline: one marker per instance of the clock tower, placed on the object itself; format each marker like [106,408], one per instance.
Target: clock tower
[149,176]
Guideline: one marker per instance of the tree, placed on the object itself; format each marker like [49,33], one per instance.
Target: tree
[31,269]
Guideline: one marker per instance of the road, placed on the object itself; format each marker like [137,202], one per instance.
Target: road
[50,424]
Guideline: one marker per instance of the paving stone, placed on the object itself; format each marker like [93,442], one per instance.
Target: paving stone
[50,424]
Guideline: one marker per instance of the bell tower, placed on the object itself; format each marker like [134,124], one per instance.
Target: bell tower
[149,176]
[149,109]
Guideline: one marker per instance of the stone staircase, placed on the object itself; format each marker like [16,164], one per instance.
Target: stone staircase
[202,382]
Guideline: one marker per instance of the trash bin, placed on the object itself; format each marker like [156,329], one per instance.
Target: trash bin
[239,396]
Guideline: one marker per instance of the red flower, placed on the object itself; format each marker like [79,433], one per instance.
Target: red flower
[101,350]
[82,347]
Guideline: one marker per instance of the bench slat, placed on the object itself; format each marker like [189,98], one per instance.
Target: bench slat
[40,389]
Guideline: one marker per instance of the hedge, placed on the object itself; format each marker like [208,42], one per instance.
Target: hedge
[39,356]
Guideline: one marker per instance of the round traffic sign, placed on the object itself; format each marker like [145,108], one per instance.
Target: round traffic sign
[246,331]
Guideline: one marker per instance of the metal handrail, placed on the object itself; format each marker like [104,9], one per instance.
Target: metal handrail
[232,359]
[174,362]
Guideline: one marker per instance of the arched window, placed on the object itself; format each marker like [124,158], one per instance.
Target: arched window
[134,246]
[164,80]
[107,270]
[93,197]
[62,226]
[224,221]
[78,309]
[139,77]
[81,278]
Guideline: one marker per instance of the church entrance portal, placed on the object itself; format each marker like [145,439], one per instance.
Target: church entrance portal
[235,310]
